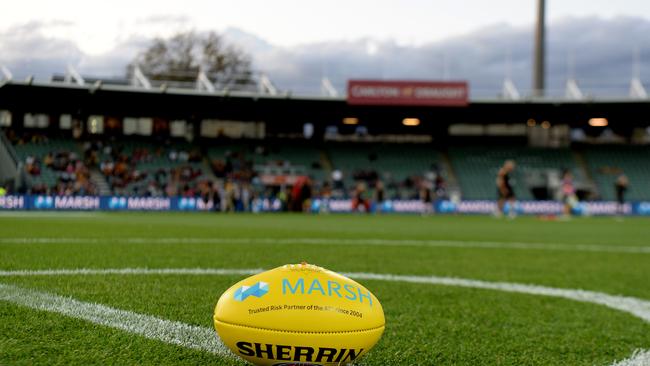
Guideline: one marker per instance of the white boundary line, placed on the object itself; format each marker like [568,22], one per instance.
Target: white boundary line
[177,333]
[196,337]
[337,241]
[631,305]
[638,358]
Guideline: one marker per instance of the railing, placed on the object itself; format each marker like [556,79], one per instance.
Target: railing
[260,84]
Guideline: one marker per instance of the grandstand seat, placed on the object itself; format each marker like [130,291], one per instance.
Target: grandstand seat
[393,163]
[476,168]
[300,158]
[606,163]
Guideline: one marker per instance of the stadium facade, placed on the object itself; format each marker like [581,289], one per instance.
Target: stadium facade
[256,147]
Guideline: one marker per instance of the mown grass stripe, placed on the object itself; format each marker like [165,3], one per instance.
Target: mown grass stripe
[338,241]
[129,271]
[205,339]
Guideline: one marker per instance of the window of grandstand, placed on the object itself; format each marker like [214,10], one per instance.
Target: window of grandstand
[466,130]
[5,118]
[331,132]
[137,126]
[178,128]
[232,129]
[96,124]
[145,126]
[65,122]
[130,125]
[308,130]
[36,120]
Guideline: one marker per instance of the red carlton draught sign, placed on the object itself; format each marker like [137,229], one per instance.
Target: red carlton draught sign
[407,93]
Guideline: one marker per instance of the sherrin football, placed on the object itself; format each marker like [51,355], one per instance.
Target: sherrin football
[299,314]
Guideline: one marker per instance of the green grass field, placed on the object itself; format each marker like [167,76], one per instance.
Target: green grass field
[427,324]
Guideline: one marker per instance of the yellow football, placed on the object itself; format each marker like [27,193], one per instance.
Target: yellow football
[299,314]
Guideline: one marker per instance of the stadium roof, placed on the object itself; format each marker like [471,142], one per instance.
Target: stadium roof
[291,111]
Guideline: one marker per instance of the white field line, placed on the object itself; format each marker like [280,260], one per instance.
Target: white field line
[637,307]
[631,305]
[337,241]
[638,358]
[172,332]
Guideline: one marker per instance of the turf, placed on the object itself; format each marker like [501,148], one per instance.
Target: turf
[426,324]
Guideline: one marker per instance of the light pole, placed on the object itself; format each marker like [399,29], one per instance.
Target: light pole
[540,56]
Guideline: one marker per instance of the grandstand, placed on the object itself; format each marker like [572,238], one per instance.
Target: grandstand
[255,144]
[477,168]
[139,166]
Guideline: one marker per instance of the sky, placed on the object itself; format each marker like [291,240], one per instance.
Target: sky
[98,25]
[298,42]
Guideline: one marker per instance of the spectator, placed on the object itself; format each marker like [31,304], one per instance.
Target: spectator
[620,186]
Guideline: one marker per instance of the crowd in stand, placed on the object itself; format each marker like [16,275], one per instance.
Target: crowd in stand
[72,175]
[124,173]
[173,172]
[235,166]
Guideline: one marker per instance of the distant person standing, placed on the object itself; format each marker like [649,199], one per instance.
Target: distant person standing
[504,188]
[325,196]
[379,196]
[440,187]
[229,198]
[569,197]
[426,196]
[359,199]
[621,184]
[305,195]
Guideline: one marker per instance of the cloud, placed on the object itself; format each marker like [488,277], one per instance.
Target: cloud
[113,63]
[165,19]
[601,50]
[27,50]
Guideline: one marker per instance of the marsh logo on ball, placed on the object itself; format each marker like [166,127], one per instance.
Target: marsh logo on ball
[299,315]
[258,290]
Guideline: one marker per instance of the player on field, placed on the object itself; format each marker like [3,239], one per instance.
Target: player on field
[504,189]
[379,196]
[620,186]
[569,197]
[426,196]
[359,199]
